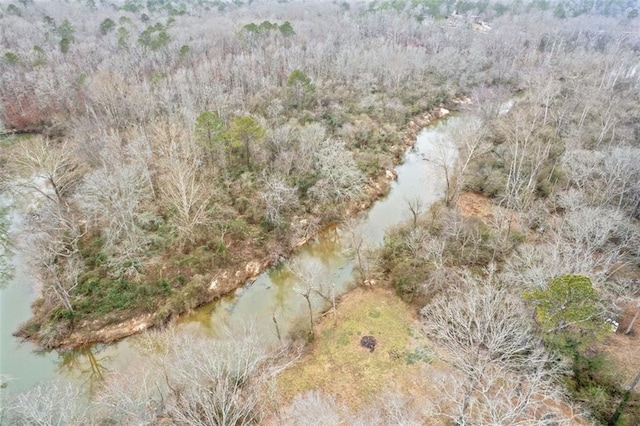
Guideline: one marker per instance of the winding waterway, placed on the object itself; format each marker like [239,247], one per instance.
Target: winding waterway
[272,298]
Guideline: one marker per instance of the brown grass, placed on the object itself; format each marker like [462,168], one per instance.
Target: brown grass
[624,349]
[338,365]
[472,204]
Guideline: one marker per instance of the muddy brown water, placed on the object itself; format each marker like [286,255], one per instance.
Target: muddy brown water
[274,294]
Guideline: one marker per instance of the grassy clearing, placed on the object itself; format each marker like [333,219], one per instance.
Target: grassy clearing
[338,365]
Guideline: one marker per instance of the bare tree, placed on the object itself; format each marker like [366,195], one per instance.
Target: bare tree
[185,193]
[592,241]
[455,149]
[445,156]
[490,341]
[51,232]
[219,382]
[50,404]
[51,244]
[620,171]
[113,198]
[5,246]
[471,143]
[51,168]
[135,396]
[546,261]
[489,102]
[488,325]
[626,291]
[416,207]
[525,151]
[596,228]
[524,399]
[340,180]
[392,408]
[358,246]
[318,408]
[314,408]
[187,379]
[310,139]
[313,280]
[278,196]
[282,143]
[607,178]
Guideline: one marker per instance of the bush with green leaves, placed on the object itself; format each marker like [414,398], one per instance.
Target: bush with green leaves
[154,37]
[266,27]
[107,26]
[568,308]
[302,88]
[11,58]
[245,133]
[66,30]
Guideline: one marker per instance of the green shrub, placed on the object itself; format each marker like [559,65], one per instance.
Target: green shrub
[91,251]
[304,182]
[407,279]
[11,58]
[165,286]
[107,26]
[406,273]
[333,120]
[594,381]
[495,183]
[105,295]
[62,313]
[238,228]
[516,237]
[567,312]
[419,354]
[549,178]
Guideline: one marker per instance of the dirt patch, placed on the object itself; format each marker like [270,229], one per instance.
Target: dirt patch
[109,333]
[474,205]
[624,349]
[471,204]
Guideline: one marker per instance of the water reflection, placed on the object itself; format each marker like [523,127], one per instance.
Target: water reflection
[271,300]
[88,364]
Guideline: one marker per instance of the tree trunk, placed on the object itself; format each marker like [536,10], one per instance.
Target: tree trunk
[633,320]
[308,298]
[275,321]
[616,416]
[247,147]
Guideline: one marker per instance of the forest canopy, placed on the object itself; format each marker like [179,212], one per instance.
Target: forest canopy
[163,153]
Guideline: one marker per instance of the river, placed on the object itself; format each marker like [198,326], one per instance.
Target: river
[272,298]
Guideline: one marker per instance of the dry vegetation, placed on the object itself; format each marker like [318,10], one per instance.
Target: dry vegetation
[157,170]
[175,143]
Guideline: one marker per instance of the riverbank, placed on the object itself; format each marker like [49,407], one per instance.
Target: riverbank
[202,288]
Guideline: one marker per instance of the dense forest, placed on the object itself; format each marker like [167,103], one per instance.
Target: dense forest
[162,153]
